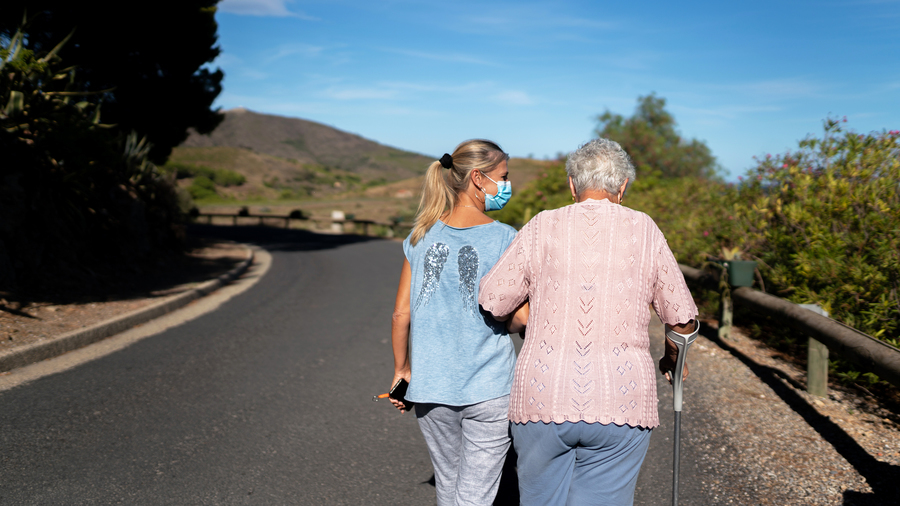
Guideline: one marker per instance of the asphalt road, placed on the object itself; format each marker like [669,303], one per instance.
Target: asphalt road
[265,401]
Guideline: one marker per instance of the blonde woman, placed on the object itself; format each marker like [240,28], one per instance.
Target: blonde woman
[458,360]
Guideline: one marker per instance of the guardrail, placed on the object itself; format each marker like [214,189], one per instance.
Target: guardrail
[862,349]
[393,226]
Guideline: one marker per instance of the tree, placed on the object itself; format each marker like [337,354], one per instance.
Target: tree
[78,198]
[149,56]
[653,143]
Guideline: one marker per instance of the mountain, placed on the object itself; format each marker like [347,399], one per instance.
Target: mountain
[290,158]
[310,144]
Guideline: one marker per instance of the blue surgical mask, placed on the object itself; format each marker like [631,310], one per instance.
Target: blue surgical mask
[496,202]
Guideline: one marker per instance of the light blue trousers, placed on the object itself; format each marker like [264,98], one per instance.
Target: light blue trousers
[468,446]
[578,463]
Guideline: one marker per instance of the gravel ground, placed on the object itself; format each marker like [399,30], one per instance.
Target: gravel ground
[766,441]
[775,444]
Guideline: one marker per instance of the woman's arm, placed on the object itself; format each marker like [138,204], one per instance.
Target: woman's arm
[400,330]
[518,321]
[672,299]
[505,287]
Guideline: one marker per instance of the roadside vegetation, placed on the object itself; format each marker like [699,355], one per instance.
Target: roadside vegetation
[823,220]
[81,198]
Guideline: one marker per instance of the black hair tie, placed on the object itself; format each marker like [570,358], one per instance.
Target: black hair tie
[446,161]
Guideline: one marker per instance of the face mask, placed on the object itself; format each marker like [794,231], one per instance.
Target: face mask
[496,202]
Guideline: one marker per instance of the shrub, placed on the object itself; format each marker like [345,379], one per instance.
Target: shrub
[78,198]
[202,188]
[825,222]
[221,177]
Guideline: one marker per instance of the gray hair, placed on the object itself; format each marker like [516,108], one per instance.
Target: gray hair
[600,164]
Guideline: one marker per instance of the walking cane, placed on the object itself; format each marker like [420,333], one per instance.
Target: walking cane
[683,342]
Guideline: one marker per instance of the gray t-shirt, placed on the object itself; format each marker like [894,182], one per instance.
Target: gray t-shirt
[459,354]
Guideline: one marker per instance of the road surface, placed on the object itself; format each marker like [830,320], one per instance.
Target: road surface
[267,400]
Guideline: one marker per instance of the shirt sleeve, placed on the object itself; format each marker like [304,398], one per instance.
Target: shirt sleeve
[407,246]
[505,287]
[672,300]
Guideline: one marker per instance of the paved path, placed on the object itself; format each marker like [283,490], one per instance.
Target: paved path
[267,400]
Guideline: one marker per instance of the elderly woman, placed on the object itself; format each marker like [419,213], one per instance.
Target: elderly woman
[583,399]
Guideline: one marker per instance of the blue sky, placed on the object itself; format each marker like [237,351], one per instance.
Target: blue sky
[748,78]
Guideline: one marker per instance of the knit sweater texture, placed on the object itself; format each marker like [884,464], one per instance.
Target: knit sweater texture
[591,272]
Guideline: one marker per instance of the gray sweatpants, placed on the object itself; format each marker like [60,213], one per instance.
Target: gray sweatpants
[468,446]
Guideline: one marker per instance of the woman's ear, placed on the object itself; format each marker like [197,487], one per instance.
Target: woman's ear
[572,188]
[476,178]
[622,190]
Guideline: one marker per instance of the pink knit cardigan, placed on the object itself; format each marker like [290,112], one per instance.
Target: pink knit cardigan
[590,272]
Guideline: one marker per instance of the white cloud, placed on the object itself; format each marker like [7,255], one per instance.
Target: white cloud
[514,97]
[360,93]
[254,74]
[782,88]
[274,8]
[293,49]
[725,112]
[456,58]
[438,88]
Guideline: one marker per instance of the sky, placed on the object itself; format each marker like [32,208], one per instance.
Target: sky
[747,78]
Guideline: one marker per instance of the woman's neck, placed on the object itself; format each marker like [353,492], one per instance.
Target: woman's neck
[466,212]
[597,195]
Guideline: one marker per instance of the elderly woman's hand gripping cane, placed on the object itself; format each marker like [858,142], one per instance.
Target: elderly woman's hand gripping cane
[678,340]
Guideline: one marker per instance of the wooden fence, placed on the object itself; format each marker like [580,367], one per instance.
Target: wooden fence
[365,226]
[824,333]
[865,351]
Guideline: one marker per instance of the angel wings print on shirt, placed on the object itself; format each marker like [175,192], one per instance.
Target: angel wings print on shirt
[435,259]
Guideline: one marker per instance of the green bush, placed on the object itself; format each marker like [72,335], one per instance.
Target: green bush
[823,221]
[78,198]
[549,191]
[221,177]
[202,188]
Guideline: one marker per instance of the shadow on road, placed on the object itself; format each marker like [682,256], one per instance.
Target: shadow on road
[157,278]
[278,239]
[884,478]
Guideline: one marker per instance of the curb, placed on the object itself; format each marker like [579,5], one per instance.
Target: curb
[75,339]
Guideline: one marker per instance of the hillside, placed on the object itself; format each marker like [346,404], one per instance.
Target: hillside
[310,144]
[521,172]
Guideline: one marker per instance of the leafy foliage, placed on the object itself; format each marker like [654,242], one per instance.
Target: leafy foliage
[824,222]
[549,191]
[147,57]
[75,194]
[653,143]
[202,188]
[221,177]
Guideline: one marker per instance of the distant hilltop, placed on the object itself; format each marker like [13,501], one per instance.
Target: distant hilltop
[310,143]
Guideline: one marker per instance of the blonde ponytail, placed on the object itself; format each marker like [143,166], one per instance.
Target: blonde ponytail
[436,198]
[440,191]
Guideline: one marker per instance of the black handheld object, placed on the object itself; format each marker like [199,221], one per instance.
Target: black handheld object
[398,392]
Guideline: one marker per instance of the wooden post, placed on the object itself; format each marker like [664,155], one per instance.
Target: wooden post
[260,221]
[726,313]
[234,220]
[816,360]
